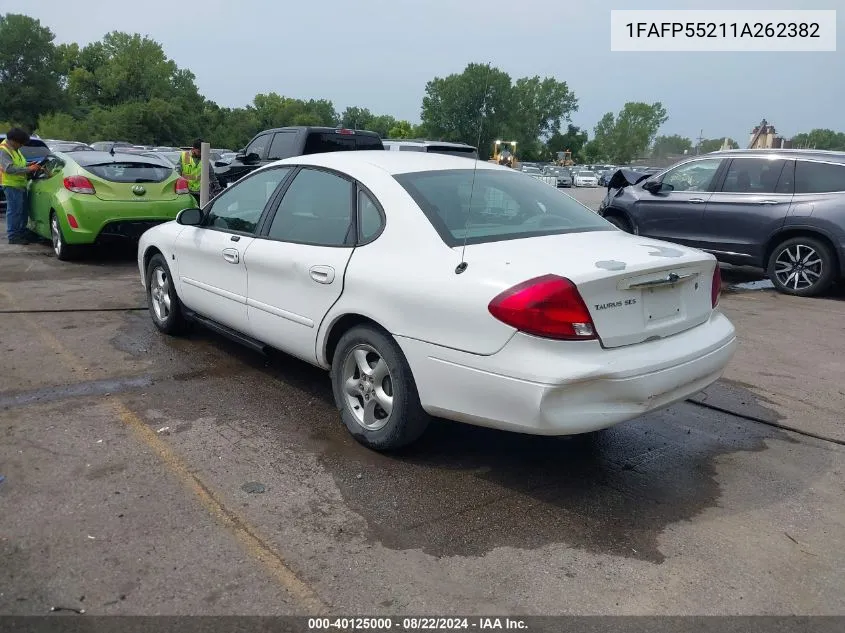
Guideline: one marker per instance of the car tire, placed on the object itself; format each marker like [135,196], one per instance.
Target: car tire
[360,395]
[619,222]
[64,251]
[805,260]
[164,304]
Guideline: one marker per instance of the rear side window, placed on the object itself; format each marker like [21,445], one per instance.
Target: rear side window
[502,205]
[282,146]
[130,172]
[320,142]
[753,175]
[811,177]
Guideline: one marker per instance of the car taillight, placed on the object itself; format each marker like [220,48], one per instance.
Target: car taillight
[716,288]
[346,132]
[182,186]
[79,184]
[547,306]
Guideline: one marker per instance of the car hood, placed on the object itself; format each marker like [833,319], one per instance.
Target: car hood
[625,178]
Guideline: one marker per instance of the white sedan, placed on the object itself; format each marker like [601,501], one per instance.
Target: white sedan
[429,290]
[585,179]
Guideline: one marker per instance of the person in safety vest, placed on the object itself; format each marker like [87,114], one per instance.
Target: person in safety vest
[190,168]
[14,174]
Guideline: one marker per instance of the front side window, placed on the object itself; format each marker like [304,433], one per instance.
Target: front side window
[316,209]
[812,177]
[695,176]
[258,146]
[240,206]
[501,205]
[753,175]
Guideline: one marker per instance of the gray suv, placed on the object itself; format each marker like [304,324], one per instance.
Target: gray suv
[780,210]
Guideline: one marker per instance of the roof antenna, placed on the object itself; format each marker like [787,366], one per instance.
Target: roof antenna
[463,265]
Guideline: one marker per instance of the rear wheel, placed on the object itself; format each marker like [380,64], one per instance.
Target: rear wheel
[64,251]
[619,222]
[165,307]
[802,266]
[375,390]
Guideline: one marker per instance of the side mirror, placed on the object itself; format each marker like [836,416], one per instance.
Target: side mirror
[654,186]
[189,217]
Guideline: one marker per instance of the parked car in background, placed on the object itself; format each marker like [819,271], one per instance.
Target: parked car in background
[86,197]
[530,169]
[33,151]
[437,147]
[779,210]
[585,178]
[68,146]
[107,146]
[563,175]
[539,330]
[276,144]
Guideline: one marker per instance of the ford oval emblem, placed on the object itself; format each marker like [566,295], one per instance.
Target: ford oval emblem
[138,190]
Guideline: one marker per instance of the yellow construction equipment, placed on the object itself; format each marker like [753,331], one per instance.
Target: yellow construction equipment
[564,159]
[504,153]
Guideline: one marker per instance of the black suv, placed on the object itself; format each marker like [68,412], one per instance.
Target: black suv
[285,142]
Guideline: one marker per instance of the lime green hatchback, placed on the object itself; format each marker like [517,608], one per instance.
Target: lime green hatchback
[89,197]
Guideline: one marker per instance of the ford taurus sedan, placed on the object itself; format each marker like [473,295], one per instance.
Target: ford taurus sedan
[427,285]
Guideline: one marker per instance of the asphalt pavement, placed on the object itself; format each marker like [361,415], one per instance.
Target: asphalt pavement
[151,475]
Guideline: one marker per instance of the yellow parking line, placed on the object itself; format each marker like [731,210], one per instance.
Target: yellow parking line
[246,534]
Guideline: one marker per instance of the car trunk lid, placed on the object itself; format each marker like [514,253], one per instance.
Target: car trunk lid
[635,289]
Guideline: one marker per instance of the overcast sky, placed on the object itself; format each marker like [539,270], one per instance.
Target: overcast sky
[380,53]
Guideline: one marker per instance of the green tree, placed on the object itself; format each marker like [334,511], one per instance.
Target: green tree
[29,70]
[628,135]
[573,140]
[537,110]
[820,139]
[715,144]
[670,146]
[402,129]
[273,110]
[467,106]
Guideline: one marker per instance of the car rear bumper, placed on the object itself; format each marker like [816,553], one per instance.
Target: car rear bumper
[562,388]
[99,220]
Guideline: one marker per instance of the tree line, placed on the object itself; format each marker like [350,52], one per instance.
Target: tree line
[124,87]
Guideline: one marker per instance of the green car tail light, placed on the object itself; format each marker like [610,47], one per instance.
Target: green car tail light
[79,184]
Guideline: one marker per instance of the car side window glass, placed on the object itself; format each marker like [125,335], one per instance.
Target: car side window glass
[316,209]
[240,206]
[695,176]
[752,175]
[786,183]
[369,217]
[258,146]
[282,146]
[813,177]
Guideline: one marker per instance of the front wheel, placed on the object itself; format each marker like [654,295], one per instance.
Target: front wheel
[802,266]
[375,390]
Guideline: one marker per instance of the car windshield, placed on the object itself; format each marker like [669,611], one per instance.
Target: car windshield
[587,174]
[130,172]
[531,170]
[505,205]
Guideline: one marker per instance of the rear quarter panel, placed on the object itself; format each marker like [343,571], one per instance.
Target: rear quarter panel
[405,281]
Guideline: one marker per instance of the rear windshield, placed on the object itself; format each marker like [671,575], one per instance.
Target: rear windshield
[319,142]
[505,205]
[130,172]
[35,151]
[469,152]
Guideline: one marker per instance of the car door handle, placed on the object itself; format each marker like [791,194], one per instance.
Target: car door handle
[231,255]
[322,274]
[696,200]
[768,202]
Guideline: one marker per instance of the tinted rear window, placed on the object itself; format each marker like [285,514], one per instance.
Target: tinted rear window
[812,177]
[505,205]
[469,152]
[319,142]
[130,172]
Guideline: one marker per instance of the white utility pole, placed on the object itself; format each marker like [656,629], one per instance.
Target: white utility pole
[205,156]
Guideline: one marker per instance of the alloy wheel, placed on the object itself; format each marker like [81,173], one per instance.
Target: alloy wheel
[368,387]
[798,267]
[160,293]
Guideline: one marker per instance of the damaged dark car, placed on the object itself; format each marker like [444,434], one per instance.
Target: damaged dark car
[779,210]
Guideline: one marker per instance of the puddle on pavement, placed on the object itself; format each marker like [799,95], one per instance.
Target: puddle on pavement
[62,392]
[462,490]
